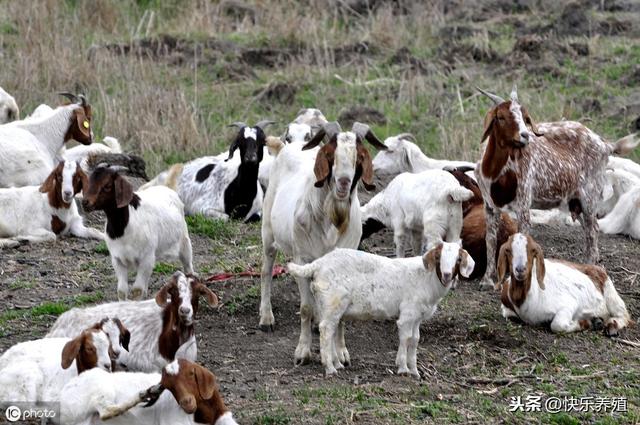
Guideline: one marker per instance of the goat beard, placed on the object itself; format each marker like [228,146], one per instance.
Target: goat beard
[338,212]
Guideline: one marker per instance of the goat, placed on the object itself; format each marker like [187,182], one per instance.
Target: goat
[50,209]
[625,216]
[526,165]
[474,228]
[9,110]
[567,295]
[81,153]
[403,155]
[158,327]
[28,148]
[353,285]
[192,397]
[311,207]
[141,227]
[36,370]
[426,206]
[625,164]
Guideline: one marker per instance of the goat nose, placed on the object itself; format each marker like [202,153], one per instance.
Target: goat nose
[524,135]
[107,366]
[520,270]
[184,310]
[344,181]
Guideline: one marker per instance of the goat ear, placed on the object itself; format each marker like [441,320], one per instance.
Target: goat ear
[211,296]
[540,268]
[206,382]
[71,350]
[364,159]
[489,121]
[124,192]
[82,122]
[125,335]
[49,184]
[233,147]
[466,263]
[315,140]
[529,121]
[161,296]
[324,162]
[503,265]
[80,180]
[430,259]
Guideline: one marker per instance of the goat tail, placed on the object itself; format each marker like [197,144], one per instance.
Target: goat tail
[616,306]
[304,270]
[113,144]
[626,144]
[274,145]
[173,176]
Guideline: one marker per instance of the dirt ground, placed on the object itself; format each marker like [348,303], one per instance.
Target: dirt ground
[471,359]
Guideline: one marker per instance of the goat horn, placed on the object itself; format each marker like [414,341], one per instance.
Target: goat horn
[329,129]
[514,93]
[83,100]
[407,136]
[72,97]
[118,168]
[364,132]
[238,124]
[496,99]
[264,123]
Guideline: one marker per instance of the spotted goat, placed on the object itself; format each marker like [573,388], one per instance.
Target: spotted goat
[525,166]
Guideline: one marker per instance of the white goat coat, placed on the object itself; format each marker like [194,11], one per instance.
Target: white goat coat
[625,216]
[31,371]
[94,391]
[7,105]
[143,319]
[425,205]
[81,153]
[28,148]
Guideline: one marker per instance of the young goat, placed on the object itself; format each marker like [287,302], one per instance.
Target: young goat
[28,148]
[312,207]
[192,397]
[474,227]
[426,206]
[142,227]
[37,370]
[567,295]
[354,285]
[50,209]
[625,216]
[158,327]
[8,108]
[525,165]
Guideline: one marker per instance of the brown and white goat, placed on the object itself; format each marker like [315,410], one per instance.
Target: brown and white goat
[474,227]
[542,166]
[158,327]
[567,295]
[40,213]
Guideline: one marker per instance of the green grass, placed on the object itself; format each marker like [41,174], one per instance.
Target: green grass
[165,268]
[101,248]
[214,229]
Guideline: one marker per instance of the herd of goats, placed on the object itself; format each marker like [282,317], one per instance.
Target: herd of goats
[133,361]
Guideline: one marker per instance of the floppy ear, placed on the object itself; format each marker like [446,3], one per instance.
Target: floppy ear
[234,146]
[71,350]
[324,162]
[430,259]
[80,180]
[49,184]
[206,382]
[528,121]
[82,122]
[540,269]
[124,192]
[364,159]
[125,335]
[503,265]
[489,120]
[161,296]
[466,263]
[315,140]
[211,297]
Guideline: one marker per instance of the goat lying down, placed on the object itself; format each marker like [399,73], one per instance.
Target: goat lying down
[354,285]
[625,216]
[425,206]
[567,295]
[50,208]
[159,327]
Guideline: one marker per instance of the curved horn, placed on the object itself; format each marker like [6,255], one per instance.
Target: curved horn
[364,132]
[496,99]
[103,165]
[329,129]
[238,124]
[72,97]
[83,100]
[407,136]
[118,168]
[264,123]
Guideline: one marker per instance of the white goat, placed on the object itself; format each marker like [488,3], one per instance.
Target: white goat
[28,148]
[625,164]
[50,208]
[403,155]
[37,370]
[9,110]
[311,207]
[158,327]
[142,227]
[354,285]
[625,216]
[426,206]
[184,389]
[567,295]
[81,153]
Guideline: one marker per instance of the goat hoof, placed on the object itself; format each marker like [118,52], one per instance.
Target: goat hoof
[330,372]
[267,328]
[122,296]
[302,361]
[136,293]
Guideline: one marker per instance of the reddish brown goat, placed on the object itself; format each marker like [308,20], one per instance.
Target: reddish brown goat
[564,164]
